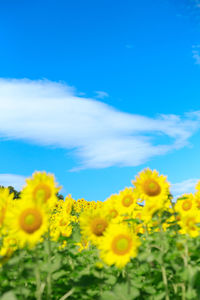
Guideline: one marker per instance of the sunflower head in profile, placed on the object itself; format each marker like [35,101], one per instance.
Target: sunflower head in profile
[27,222]
[41,189]
[150,186]
[118,245]
[6,200]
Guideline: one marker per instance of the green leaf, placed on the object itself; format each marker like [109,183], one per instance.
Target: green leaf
[8,296]
[121,292]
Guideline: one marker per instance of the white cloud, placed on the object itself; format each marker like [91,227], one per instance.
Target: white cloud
[50,114]
[16,181]
[101,94]
[196,54]
[184,187]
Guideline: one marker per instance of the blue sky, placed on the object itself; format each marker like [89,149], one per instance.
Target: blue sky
[95,91]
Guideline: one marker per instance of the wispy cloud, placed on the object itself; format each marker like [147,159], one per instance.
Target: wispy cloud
[184,187]
[16,181]
[196,54]
[50,114]
[101,94]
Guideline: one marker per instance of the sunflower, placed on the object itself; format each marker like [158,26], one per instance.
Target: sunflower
[189,223]
[6,200]
[197,200]
[93,224]
[127,201]
[8,246]
[82,245]
[185,204]
[41,189]
[198,186]
[118,245]
[111,206]
[149,185]
[60,225]
[27,222]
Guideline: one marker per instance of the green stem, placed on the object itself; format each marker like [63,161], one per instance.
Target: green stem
[49,283]
[163,269]
[128,281]
[38,282]
[164,277]
[187,266]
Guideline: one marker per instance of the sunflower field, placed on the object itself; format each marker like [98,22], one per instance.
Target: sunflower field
[137,244]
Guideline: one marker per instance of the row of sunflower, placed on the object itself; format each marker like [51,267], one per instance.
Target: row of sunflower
[117,228]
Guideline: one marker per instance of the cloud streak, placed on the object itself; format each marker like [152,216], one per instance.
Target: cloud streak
[184,187]
[17,181]
[196,54]
[101,94]
[51,114]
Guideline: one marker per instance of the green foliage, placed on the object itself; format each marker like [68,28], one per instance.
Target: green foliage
[167,267]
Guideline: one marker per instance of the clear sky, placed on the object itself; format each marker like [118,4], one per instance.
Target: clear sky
[94,91]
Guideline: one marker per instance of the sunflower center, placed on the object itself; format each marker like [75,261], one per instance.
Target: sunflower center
[30,220]
[121,244]
[186,205]
[98,226]
[127,201]
[42,191]
[113,213]
[63,222]
[151,187]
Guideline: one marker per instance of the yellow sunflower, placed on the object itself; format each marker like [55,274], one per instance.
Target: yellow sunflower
[189,223]
[149,185]
[185,204]
[127,201]
[6,200]
[60,225]
[111,207]
[9,245]
[118,245]
[27,222]
[41,189]
[93,224]
[198,186]
[197,200]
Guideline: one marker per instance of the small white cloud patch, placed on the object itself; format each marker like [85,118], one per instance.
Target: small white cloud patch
[196,54]
[184,187]
[17,181]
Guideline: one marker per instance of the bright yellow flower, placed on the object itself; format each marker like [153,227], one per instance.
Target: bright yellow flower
[198,186]
[118,245]
[185,204]
[111,207]
[68,204]
[60,225]
[6,200]
[127,201]
[41,189]
[83,245]
[149,185]
[27,222]
[93,224]
[189,223]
